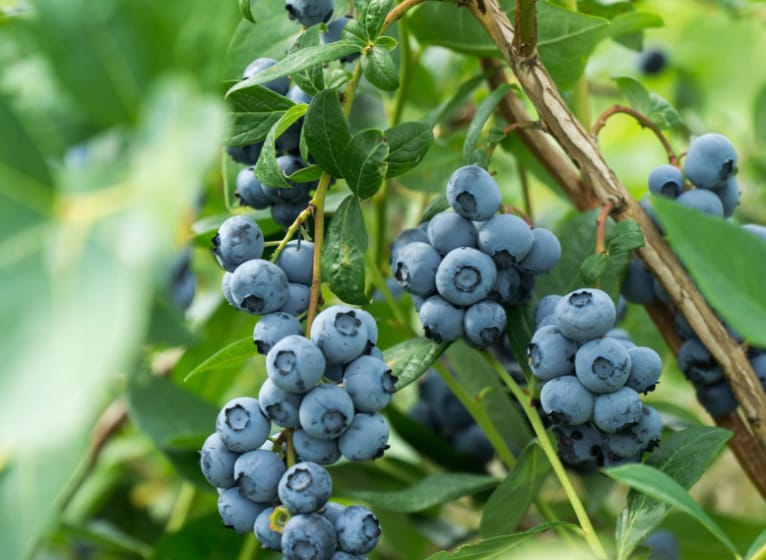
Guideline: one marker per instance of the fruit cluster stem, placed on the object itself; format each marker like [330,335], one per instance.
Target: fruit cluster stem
[643,120]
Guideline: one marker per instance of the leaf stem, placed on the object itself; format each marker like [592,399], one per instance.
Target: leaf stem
[379,282]
[601,227]
[545,444]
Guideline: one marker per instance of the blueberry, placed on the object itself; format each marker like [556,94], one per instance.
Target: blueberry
[423,413]
[484,323]
[645,369]
[341,333]
[579,445]
[448,231]
[239,239]
[415,268]
[316,450]
[358,530]
[241,424]
[298,96]
[298,296]
[666,180]
[308,537]
[259,287]
[226,289]
[366,438]
[585,314]
[566,401]
[703,201]
[717,399]
[237,512]
[523,291]
[756,229]
[279,406]
[616,411]
[663,546]
[710,161]
[217,462]
[646,204]
[545,308]
[326,411]
[602,365]
[622,335]
[660,292]
[758,364]
[247,155]
[638,285]
[297,260]
[682,327]
[305,487]
[449,412]
[310,12]
[369,383]
[298,192]
[266,536]
[272,328]
[643,436]
[290,140]
[295,364]
[371,325]
[508,285]
[652,61]
[507,239]
[334,33]
[544,254]
[340,555]
[697,363]
[473,193]
[249,190]
[279,85]
[729,195]
[473,442]
[442,321]
[285,213]
[465,276]
[406,237]
[550,353]
[257,474]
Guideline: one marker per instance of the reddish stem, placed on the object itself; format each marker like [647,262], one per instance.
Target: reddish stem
[643,120]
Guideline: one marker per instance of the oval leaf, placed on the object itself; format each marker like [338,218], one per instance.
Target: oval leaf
[373,16]
[326,132]
[254,111]
[343,252]
[408,144]
[267,170]
[364,162]
[379,69]
[238,352]
[483,112]
[410,359]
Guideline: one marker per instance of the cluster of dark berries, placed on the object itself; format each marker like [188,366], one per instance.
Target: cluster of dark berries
[592,376]
[462,267]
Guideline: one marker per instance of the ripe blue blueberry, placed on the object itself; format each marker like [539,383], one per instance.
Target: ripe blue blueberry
[406,237]
[226,289]
[484,323]
[544,254]
[550,353]
[259,287]
[272,328]
[579,445]
[358,530]
[682,327]
[697,363]
[316,450]
[506,238]
[545,308]
[241,424]
[448,230]
[326,411]
[473,442]
[602,365]
[246,155]
[710,161]
[473,193]
[369,383]
[340,555]
[295,364]
[756,229]
[638,285]
[310,12]
[341,333]
[508,285]
[666,180]
[717,399]
[298,192]
[415,268]
[238,512]
[217,462]
[640,437]
[298,296]
[585,314]
[566,401]
[465,276]
[729,195]
[279,406]
[266,536]
[297,260]
[365,439]
[616,411]
[371,325]
[257,474]
[623,337]
[239,239]
[305,487]
[442,321]
[663,546]
[332,511]
[645,369]
[308,537]
[703,201]
[279,85]
[249,190]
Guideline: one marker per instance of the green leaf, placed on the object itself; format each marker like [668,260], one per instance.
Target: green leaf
[306,174]
[271,37]
[408,144]
[483,113]
[310,80]
[364,162]
[496,548]
[379,69]
[520,329]
[299,60]
[593,267]
[684,456]
[658,485]
[648,104]
[438,204]
[456,100]
[326,132]
[254,111]
[729,279]
[410,359]
[267,170]
[631,23]
[343,252]
[230,355]
[626,236]
[373,16]
[355,33]
[246,9]
[509,502]
[430,491]
[757,550]
[387,42]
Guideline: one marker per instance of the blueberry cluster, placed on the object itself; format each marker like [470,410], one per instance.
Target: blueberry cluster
[310,12]
[462,267]
[592,376]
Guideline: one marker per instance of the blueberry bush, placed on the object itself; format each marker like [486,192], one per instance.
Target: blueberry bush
[346,279]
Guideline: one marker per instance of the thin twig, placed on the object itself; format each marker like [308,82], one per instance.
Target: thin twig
[643,120]
[601,228]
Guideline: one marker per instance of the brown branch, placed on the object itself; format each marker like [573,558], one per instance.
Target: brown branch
[604,186]
[643,120]
[525,43]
